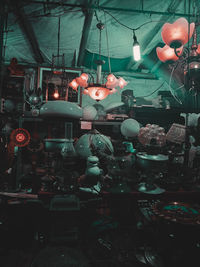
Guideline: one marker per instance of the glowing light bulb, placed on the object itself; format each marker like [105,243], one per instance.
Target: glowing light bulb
[136,49]
[20,137]
[56,94]
[136,52]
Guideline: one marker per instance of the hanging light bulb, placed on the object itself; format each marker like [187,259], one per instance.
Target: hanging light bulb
[56,94]
[136,48]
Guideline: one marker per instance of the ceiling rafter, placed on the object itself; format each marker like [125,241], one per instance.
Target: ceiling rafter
[130,10]
[85,33]
[27,29]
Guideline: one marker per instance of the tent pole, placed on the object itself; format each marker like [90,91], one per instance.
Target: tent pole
[2,23]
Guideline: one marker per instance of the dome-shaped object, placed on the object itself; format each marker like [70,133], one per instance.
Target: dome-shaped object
[89,113]
[93,139]
[176,34]
[167,53]
[9,105]
[62,109]
[130,128]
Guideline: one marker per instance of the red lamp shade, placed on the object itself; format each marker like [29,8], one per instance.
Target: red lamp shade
[198,49]
[176,34]
[167,53]
[121,83]
[82,80]
[20,137]
[97,93]
[112,81]
[74,84]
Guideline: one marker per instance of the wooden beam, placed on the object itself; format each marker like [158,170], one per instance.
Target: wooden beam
[28,31]
[85,34]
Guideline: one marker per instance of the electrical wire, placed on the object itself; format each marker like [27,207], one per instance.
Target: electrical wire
[58,51]
[132,29]
[100,44]
[154,90]
[170,89]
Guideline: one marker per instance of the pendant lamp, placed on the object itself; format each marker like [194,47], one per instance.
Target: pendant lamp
[176,34]
[101,88]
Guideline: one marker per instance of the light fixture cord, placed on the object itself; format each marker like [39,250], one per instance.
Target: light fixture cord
[134,37]
[100,44]
[107,44]
[58,51]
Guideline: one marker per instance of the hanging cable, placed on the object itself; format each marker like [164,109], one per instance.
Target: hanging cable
[107,44]
[153,91]
[58,51]
[99,44]
[127,27]
[170,89]
[6,30]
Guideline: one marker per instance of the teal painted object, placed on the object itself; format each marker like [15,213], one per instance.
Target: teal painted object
[182,208]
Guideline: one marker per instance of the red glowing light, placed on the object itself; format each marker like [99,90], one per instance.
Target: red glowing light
[57,72]
[56,95]
[74,84]
[111,78]
[121,82]
[82,80]
[20,137]
[84,76]
[98,93]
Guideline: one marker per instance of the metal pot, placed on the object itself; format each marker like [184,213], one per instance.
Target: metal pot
[54,145]
[151,162]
